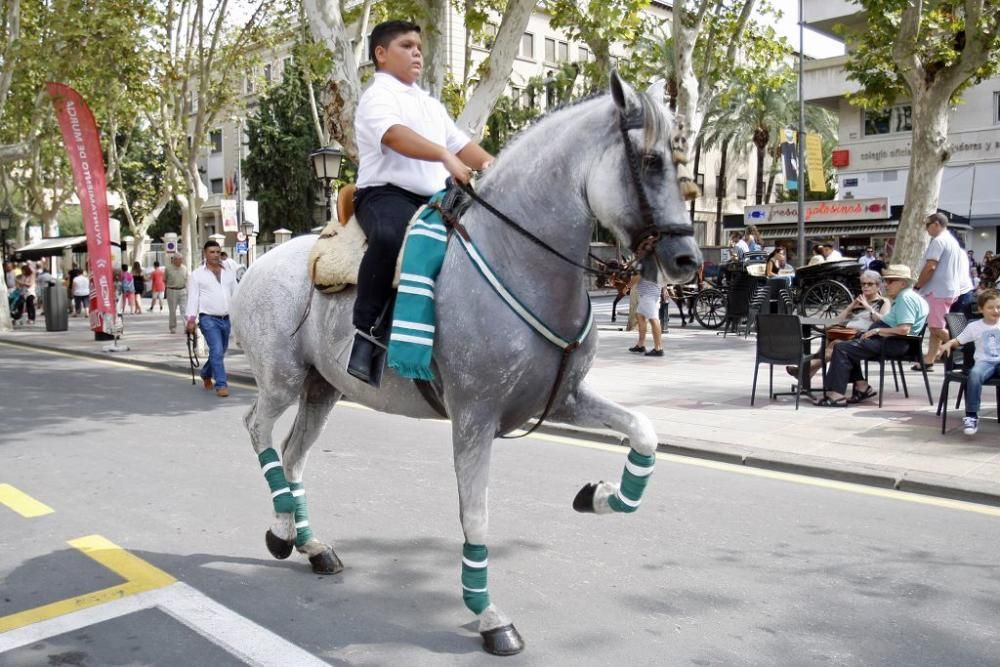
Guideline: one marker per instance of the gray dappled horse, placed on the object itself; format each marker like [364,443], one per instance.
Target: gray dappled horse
[495,372]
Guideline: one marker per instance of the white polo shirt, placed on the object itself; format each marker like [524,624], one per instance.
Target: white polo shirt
[386,102]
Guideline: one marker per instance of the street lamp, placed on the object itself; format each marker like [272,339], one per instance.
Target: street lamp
[6,217]
[326,163]
[247,229]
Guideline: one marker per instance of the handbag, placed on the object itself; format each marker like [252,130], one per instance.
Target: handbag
[840,332]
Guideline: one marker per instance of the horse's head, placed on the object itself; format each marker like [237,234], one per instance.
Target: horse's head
[636,192]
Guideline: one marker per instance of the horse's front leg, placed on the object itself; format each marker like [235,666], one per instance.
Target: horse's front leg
[473,444]
[586,408]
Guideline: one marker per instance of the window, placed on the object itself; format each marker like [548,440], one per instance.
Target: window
[215,138]
[996,108]
[583,55]
[249,83]
[550,50]
[516,96]
[699,179]
[741,188]
[488,37]
[216,185]
[267,72]
[527,49]
[700,232]
[563,52]
[896,120]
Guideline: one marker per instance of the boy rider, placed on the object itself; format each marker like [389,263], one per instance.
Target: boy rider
[407,147]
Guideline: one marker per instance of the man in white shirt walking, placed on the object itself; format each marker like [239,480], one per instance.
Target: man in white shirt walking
[210,290]
[407,147]
[943,278]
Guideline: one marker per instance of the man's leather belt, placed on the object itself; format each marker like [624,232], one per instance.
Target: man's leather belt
[218,317]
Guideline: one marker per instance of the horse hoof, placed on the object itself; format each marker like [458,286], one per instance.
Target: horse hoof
[326,562]
[279,548]
[505,640]
[584,501]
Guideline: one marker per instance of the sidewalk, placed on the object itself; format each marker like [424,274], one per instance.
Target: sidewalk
[698,397]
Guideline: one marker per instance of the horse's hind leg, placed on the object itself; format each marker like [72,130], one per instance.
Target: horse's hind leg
[315,402]
[586,408]
[473,443]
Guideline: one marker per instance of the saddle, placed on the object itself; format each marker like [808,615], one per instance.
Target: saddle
[335,258]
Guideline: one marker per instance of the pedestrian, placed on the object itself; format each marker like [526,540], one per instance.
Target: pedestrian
[648,311]
[176,277]
[10,277]
[878,264]
[139,280]
[866,259]
[210,291]
[738,246]
[986,335]
[943,279]
[80,288]
[906,317]
[74,271]
[407,147]
[752,239]
[128,289]
[26,285]
[830,254]
[158,282]
[230,263]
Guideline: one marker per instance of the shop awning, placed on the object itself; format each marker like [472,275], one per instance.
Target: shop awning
[52,247]
[828,231]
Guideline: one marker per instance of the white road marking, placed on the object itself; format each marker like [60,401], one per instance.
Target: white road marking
[239,636]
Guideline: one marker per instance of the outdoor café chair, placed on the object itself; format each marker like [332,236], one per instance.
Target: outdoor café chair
[956,369]
[780,341]
[914,354]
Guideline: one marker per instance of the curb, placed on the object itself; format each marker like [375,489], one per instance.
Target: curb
[921,483]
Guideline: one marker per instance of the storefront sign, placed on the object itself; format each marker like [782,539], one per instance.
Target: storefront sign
[895,154]
[840,210]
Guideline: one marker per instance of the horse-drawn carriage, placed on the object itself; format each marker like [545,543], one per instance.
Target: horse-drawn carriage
[741,287]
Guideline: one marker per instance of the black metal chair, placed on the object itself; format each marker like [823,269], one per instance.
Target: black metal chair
[780,341]
[956,369]
[914,354]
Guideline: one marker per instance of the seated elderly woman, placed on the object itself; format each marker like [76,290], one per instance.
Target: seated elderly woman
[859,315]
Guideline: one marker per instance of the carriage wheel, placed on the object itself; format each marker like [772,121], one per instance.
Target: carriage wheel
[825,299]
[710,308]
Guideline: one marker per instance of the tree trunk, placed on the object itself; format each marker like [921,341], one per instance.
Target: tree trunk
[930,152]
[720,191]
[435,47]
[685,36]
[761,137]
[342,88]
[498,67]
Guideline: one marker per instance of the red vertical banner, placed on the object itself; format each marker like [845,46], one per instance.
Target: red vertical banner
[83,144]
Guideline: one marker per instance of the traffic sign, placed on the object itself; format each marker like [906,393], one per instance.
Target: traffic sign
[240,236]
[241,247]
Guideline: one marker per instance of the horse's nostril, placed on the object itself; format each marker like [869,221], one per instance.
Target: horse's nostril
[686,262]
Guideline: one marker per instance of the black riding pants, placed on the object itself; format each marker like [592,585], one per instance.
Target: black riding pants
[383,212]
[845,364]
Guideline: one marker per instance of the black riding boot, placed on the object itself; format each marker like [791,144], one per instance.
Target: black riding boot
[367,359]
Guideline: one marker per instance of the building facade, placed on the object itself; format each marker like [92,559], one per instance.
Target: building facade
[873,156]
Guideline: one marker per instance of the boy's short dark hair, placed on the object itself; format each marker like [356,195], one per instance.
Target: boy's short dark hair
[985,296]
[385,32]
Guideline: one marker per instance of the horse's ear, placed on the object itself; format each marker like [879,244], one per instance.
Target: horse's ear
[625,97]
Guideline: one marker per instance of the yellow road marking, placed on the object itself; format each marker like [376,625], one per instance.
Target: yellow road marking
[140,576]
[836,485]
[22,503]
[849,487]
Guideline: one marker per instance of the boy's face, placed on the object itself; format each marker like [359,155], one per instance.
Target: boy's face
[991,311]
[403,57]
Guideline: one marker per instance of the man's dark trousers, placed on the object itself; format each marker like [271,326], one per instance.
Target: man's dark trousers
[845,364]
[383,212]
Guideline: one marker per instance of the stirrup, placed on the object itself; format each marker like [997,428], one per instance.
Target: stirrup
[367,361]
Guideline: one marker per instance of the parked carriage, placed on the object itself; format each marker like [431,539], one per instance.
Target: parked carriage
[820,290]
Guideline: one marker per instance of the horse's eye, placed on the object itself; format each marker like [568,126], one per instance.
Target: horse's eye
[652,162]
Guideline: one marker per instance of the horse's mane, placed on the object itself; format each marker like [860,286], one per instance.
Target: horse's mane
[653,125]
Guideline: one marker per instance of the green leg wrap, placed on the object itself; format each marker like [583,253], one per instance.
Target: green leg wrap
[474,591]
[638,468]
[281,494]
[303,533]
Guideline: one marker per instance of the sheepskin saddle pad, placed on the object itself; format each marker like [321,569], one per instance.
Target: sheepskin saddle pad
[336,257]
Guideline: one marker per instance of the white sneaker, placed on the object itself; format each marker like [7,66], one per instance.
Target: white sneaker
[971,425]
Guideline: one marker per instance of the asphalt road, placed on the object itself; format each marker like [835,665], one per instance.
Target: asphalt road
[720,566]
